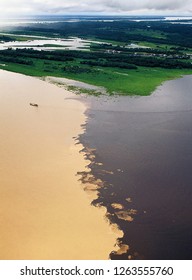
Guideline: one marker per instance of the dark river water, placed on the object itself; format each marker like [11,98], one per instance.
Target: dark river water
[143,155]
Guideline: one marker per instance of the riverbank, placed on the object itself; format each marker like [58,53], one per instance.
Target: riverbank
[45,213]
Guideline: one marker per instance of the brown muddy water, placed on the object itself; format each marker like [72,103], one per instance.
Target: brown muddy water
[141,149]
[44,211]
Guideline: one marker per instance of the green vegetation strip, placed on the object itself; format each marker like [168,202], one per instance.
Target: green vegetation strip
[140,81]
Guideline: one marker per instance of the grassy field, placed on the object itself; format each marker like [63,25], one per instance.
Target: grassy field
[141,81]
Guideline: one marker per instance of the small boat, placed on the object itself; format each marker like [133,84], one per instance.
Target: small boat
[33,104]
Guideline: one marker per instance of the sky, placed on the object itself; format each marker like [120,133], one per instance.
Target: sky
[125,7]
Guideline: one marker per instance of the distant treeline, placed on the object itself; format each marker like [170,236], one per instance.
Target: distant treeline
[122,31]
[5,38]
[10,57]
[101,59]
[132,62]
[110,64]
[173,50]
[21,55]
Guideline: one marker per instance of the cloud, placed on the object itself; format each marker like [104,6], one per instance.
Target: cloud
[95,6]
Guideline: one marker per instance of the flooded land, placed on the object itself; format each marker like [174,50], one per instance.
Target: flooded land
[45,213]
[46,43]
